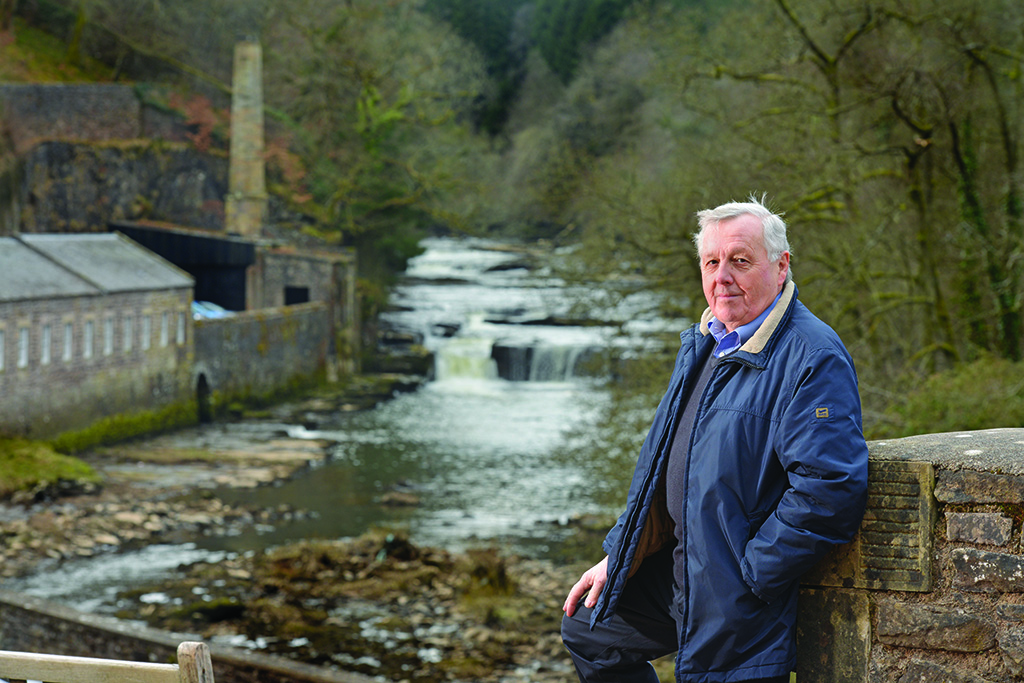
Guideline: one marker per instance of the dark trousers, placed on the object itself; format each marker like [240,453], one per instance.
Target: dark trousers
[620,648]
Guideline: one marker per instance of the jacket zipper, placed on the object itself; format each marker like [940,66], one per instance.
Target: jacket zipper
[630,525]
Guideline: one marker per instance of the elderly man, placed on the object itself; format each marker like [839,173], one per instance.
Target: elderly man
[755,465]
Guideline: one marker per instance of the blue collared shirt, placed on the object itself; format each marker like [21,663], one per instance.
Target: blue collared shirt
[730,341]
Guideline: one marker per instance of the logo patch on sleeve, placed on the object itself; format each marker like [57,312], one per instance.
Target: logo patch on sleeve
[822,412]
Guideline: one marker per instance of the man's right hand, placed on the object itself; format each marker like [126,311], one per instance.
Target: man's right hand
[593,580]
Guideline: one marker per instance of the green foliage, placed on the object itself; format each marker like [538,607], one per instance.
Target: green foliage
[564,28]
[376,98]
[485,23]
[490,25]
[984,394]
[30,55]
[27,464]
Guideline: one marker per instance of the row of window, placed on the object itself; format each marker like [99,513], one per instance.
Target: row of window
[88,349]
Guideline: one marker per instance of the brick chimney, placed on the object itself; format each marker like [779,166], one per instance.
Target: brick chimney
[246,205]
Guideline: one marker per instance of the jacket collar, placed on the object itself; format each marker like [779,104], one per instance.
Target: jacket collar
[757,342]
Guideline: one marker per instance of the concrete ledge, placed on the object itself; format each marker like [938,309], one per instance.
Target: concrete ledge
[990,450]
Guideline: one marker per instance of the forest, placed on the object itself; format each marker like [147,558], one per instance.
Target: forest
[888,132]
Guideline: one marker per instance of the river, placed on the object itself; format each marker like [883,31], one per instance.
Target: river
[482,446]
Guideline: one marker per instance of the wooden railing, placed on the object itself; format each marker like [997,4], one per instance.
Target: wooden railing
[194,666]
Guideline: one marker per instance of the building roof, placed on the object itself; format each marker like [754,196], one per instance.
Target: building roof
[41,266]
[27,274]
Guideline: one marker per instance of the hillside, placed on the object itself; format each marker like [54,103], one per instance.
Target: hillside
[29,55]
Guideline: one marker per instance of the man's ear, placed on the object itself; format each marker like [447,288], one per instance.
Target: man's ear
[783,267]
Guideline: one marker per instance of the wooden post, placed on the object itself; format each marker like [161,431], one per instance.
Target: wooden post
[194,663]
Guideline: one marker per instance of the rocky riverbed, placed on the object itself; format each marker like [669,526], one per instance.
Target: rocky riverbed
[378,604]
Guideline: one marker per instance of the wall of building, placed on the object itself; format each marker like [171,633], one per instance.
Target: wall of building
[933,587]
[281,269]
[329,278]
[259,353]
[69,382]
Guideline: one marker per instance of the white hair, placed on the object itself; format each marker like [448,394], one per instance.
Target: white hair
[773,228]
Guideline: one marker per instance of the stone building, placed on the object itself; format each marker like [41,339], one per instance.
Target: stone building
[87,159]
[90,326]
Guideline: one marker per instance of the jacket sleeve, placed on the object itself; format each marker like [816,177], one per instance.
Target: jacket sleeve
[820,444]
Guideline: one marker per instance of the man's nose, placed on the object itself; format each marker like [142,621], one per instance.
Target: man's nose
[724,274]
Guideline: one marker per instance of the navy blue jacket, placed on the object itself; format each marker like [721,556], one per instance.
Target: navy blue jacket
[776,475]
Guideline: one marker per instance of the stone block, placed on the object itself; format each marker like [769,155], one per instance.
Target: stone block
[982,571]
[833,634]
[893,550]
[1010,612]
[1011,646]
[964,486]
[988,528]
[933,627]
[930,672]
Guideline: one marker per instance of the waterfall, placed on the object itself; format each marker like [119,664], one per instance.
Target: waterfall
[540,361]
[554,363]
[465,358]
[483,358]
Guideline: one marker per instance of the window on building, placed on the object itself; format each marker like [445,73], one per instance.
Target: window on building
[181,329]
[2,351]
[128,333]
[296,295]
[147,331]
[108,336]
[69,342]
[88,337]
[23,341]
[47,345]
[165,329]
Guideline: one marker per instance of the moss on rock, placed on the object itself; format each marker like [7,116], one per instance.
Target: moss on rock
[35,466]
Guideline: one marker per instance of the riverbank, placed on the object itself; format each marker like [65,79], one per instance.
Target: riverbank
[147,490]
[378,604]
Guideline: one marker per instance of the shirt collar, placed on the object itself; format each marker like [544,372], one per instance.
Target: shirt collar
[731,341]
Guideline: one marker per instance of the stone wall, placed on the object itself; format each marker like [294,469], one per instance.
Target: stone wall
[78,156]
[71,187]
[933,587]
[281,269]
[132,363]
[259,353]
[30,624]
[75,157]
[36,112]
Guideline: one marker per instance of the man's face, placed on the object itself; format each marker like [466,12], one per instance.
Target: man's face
[739,280]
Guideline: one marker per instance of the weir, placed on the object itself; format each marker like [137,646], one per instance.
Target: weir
[465,358]
[541,362]
[478,357]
